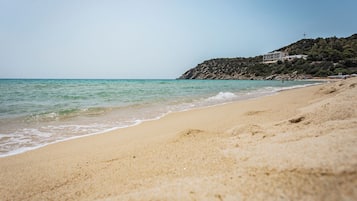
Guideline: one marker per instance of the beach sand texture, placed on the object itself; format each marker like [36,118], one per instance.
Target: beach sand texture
[299,144]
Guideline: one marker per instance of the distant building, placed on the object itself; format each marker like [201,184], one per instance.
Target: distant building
[297,56]
[274,56]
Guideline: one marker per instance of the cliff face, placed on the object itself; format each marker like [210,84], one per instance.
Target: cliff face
[325,57]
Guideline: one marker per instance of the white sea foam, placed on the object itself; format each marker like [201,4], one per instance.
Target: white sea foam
[222,96]
[296,86]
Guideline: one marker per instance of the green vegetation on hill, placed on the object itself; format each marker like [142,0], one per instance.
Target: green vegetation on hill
[326,57]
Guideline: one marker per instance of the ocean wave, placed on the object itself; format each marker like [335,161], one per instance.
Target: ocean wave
[283,88]
[297,86]
[66,114]
[28,139]
[222,96]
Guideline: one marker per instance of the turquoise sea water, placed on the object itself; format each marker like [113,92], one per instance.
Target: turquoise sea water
[34,113]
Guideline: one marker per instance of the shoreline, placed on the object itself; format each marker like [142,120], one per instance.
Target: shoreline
[246,96]
[282,140]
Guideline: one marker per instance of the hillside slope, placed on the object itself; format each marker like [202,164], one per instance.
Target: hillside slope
[326,56]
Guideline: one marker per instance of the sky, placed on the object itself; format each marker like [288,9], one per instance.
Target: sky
[154,39]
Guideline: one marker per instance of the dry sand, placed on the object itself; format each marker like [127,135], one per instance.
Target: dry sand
[296,145]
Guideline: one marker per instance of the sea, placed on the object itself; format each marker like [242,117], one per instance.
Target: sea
[38,112]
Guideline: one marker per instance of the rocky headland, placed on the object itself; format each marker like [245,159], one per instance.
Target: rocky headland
[324,57]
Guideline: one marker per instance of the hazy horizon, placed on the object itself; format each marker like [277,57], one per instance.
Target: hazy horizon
[153,39]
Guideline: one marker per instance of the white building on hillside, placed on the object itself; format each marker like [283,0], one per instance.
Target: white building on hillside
[297,56]
[274,56]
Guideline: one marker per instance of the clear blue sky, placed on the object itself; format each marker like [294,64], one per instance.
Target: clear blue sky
[154,39]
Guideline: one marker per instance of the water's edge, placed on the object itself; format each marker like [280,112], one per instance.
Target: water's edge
[247,96]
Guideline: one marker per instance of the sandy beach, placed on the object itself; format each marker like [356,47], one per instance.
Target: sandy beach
[298,144]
